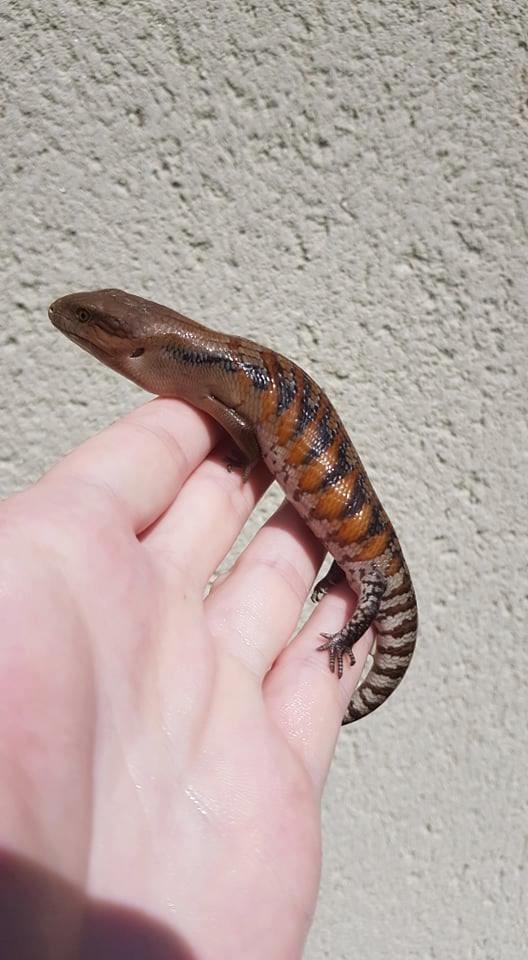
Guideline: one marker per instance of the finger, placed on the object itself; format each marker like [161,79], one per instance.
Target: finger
[144,458]
[306,699]
[199,528]
[254,609]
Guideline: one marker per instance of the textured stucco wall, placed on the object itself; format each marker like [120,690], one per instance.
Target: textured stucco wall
[347,181]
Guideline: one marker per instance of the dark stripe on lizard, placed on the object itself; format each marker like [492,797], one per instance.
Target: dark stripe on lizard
[307,409]
[201,357]
[259,375]
[344,464]
[326,432]
[286,388]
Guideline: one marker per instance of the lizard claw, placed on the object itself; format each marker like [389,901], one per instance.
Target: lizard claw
[237,463]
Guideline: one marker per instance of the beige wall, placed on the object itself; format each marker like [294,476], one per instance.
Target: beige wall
[347,182]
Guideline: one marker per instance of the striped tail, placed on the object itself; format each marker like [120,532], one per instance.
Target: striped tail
[395,626]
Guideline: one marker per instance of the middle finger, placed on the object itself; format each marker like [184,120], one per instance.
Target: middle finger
[254,609]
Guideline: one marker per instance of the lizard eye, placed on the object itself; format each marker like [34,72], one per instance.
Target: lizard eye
[82,315]
[138,352]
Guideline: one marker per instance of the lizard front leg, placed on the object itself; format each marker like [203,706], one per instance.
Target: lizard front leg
[240,431]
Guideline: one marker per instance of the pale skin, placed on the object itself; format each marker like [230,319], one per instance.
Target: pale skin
[163,751]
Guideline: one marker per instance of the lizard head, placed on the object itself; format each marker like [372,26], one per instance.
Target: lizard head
[142,340]
[110,324]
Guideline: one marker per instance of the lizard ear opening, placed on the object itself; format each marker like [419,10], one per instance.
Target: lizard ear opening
[138,352]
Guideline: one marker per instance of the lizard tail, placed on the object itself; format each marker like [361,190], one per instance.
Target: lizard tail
[395,627]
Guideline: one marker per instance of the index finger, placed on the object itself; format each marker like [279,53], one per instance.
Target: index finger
[144,458]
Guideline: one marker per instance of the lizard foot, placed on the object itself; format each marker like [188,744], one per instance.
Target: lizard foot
[235,463]
[334,576]
[338,647]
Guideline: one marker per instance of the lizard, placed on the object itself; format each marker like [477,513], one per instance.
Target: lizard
[272,409]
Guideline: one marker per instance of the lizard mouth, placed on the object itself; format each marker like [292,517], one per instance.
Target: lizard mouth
[95,348]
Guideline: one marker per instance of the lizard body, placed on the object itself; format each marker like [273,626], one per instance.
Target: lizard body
[272,409]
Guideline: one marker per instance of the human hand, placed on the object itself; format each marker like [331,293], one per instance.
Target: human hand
[162,753]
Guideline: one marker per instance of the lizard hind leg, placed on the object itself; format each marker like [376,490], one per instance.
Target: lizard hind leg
[334,576]
[372,587]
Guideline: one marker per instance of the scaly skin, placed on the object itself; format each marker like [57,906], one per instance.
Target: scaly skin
[273,409]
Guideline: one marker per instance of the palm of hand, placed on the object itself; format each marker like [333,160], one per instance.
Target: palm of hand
[174,745]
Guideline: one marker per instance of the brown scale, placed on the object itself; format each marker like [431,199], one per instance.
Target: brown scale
[337,475]
[329,485]
[271,407]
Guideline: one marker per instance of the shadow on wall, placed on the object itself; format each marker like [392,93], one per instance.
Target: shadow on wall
[43,916]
